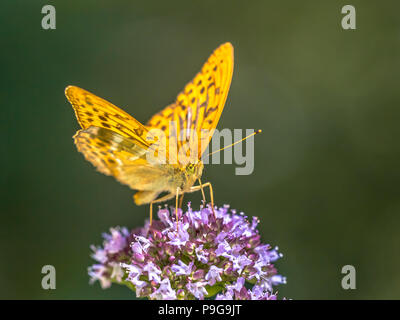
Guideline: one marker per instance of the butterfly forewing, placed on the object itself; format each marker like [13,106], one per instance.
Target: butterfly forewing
[199,106]
[91,110]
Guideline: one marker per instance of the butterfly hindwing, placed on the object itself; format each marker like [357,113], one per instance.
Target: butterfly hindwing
[120,157]
[107,150]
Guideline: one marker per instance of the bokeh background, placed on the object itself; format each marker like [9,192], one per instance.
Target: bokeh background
[327,175]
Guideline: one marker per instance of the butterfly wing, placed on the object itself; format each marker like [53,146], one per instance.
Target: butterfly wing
[91,110]
[117,144]
[121,157]
[199,105]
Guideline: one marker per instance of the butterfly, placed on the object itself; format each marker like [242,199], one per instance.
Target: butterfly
[120,146]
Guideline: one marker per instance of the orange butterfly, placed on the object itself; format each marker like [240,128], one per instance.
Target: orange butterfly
[119,145]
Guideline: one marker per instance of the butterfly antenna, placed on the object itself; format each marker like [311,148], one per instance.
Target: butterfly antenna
[231,145]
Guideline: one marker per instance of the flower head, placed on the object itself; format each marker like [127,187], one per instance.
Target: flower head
[200,256]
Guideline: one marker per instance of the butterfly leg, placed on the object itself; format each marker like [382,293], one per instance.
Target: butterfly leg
[162,199]
[202,191]
[178,190]
[200,187]
[181,200]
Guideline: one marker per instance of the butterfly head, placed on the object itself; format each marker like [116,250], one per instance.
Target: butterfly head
[194,170]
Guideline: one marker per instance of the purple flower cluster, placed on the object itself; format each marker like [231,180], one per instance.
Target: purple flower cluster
[201,256]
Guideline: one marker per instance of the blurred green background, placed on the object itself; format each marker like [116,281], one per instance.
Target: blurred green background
[327,175]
